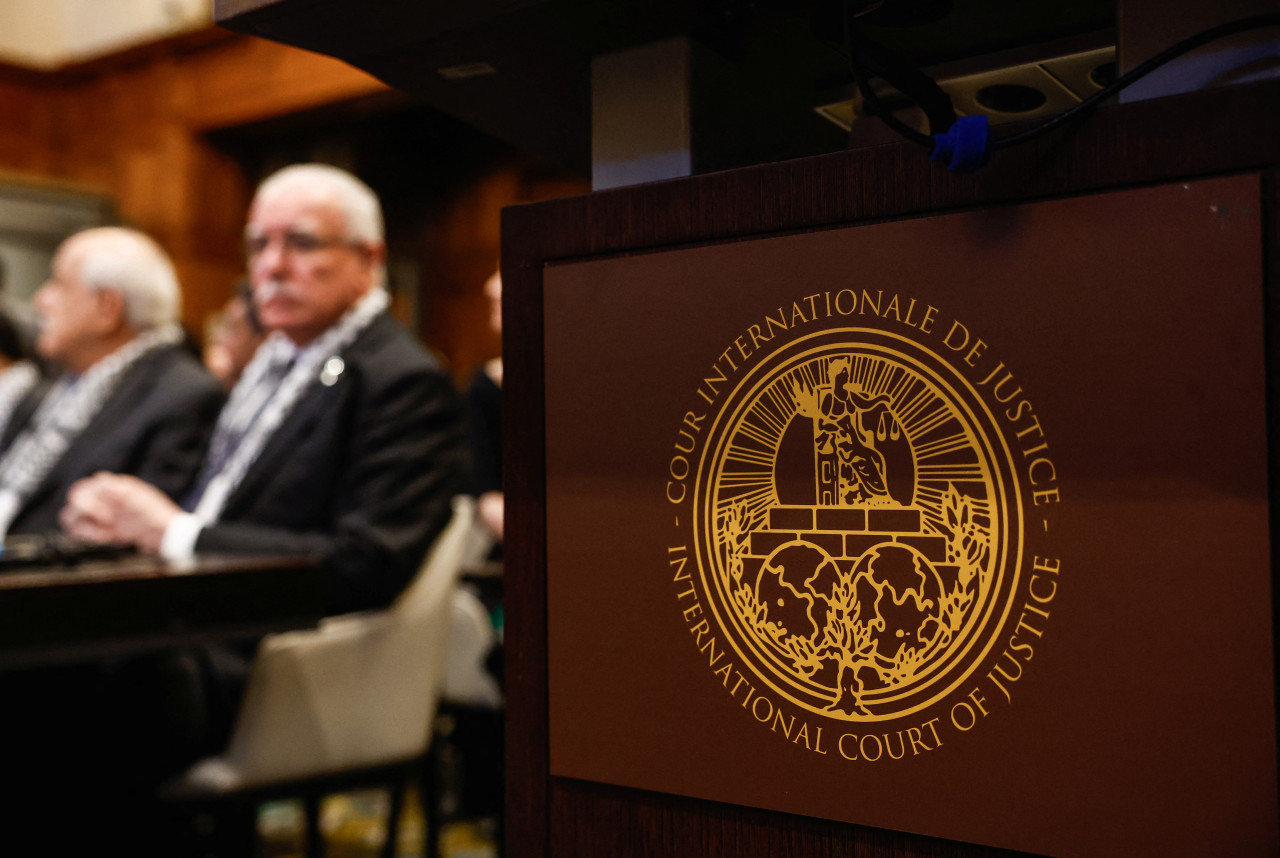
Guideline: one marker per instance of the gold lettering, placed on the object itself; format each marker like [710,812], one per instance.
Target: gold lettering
[1015,413]
[1046,564]
[875,305]
[755,710]
[786,725]
[796,313]
[1044,600]
[911,308]
[817,743]
[1034,427]
[913,733]
[1007,696]
[893,308]
[969,713]
[1022,621]
[1035,610]
[1031,451]
[813,308]
[999,668]
[926,324]
[678,563]
[1043,497]
[1036,463]
[679,467]
[693,421]
[968,716]
[852,307]
[1003,399]
[714,656]
[956,327]
[780,323]
[709,383]
[932,724]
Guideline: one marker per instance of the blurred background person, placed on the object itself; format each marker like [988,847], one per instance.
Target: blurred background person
[18,373]
[232,337]
[129,397]
[484,425]
[344,438]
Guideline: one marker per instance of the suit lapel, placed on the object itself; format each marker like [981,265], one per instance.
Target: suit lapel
[23,411]
[314,405]
[319,402]
[106,425]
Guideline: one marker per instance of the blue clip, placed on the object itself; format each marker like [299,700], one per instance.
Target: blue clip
[965,146]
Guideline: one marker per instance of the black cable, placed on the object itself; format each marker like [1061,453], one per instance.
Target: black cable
[1190,43]
[868,95]
[1080,110]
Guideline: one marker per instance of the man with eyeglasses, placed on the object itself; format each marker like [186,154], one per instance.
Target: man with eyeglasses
[342,439]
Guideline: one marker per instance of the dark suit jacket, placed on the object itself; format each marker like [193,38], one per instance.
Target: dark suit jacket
[359,474]
[155,425]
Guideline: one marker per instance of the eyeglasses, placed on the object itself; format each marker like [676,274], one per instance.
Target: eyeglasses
[294,243]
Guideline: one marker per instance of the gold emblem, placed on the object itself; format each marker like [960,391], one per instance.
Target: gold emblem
[857,535]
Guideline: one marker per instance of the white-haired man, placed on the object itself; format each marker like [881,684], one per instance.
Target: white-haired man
[130,398]
[343,438]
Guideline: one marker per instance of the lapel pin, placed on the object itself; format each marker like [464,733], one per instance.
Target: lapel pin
[333,368]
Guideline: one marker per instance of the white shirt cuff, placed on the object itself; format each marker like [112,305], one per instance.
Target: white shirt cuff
[10,503]
[179,541]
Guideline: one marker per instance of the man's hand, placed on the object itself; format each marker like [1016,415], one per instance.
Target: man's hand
[490,508]
[118,510]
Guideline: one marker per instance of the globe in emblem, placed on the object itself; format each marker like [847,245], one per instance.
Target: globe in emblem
[857,527]
[892,600]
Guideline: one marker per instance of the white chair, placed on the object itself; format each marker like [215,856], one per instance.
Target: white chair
[467,681]
[356,695]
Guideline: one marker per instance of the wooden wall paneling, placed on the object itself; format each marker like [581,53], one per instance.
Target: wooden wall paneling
[133,127]
[459,250]
[1201,134]
[247,79]
[25,133]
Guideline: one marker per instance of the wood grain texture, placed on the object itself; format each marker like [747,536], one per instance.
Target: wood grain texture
[133,127]
[1229,130]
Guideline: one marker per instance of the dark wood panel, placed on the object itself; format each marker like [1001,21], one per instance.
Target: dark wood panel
[1223,131]
[592,820]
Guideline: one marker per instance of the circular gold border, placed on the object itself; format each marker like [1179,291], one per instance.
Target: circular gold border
[1005,497]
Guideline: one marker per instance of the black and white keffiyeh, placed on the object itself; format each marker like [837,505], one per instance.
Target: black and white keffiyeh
[271,386]
[15,383]
[62,416]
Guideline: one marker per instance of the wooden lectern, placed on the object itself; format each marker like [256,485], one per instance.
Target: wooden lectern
[623,739]
[857,507]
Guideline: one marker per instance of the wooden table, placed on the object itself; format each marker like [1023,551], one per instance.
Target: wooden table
[62,614]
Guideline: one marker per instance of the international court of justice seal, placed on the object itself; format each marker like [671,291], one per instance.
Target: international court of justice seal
[857,549]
